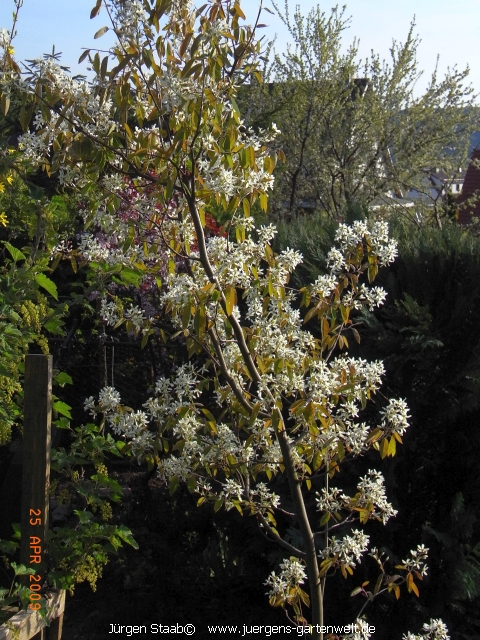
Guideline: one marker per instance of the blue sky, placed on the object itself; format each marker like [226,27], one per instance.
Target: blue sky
[445,27]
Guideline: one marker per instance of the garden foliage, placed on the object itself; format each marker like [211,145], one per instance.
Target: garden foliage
[153,145]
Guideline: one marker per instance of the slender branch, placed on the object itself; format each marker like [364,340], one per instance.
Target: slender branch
[278,539]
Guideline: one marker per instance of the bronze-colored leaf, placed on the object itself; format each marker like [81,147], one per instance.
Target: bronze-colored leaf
[100,33]
[96,9]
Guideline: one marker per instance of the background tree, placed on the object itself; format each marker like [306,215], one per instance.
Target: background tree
[358,132]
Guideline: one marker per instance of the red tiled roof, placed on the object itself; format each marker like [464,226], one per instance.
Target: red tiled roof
[471,185]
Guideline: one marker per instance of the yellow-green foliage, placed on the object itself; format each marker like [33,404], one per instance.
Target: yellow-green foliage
[27,213]
[20,325]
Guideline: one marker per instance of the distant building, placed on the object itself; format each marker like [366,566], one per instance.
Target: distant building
[470,191]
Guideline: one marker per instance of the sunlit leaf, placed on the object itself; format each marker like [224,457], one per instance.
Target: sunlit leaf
[47,284]
[100,33]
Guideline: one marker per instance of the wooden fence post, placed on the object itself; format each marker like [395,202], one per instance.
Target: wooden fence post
[36,464]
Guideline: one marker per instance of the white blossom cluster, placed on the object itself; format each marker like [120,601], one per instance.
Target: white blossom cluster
[417,560]
[260,498]
[349,237]
[264,498]
[227,180]
[136,316]
[279,337]
[110,312]
[371,491]
[370,496]
[348,550]
[292,574]
[370,297]
[433,630]
[113,312]
[131,425]
[324,286]
[395,417]
[232,490]
[96,119]
[129,14]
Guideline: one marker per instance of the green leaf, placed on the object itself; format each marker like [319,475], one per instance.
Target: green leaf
[15,253]
[62,423]
[209,415]
[317,461]
[263,201]
[230,299]
[384,448]
[47,284]
[83,516]
[392,447]
[10,330]
[199,322]
[36,193]
[54,326]
[254,413]
[6,373]
[25,116]
[129,276]
[22,570]
[63,408]
[173,485]
[325,518]
[186,315]
[126,535]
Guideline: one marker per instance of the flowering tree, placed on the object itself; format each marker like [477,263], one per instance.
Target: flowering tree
[262,396]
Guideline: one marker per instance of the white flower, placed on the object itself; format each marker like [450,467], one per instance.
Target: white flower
[231,491]
[89,405]
[417,560]
[265,499]
[331,500]
[395,417]
[371,491]
[292,574]
[335,260]
[109,312]
[373,297]
[324,286]
[109,399]
[136,315]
